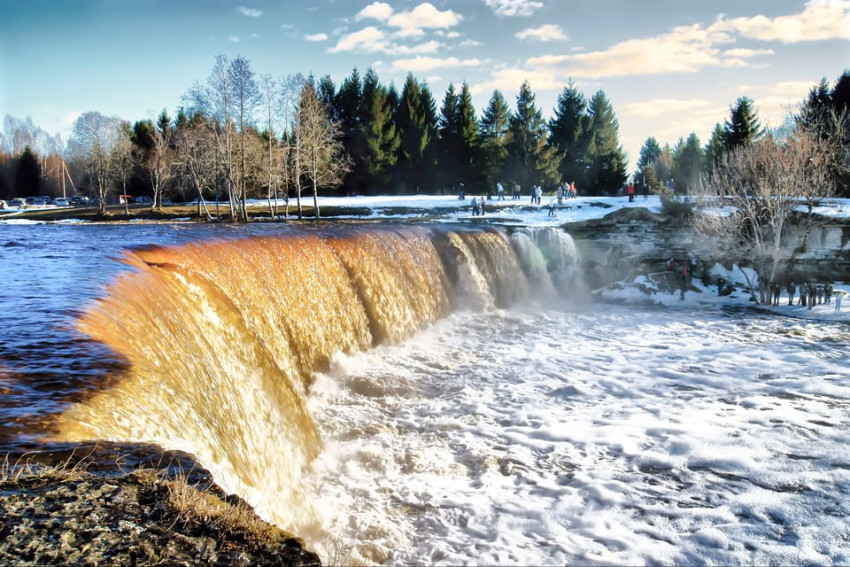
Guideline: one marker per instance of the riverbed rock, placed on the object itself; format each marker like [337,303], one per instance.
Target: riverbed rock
[140,518]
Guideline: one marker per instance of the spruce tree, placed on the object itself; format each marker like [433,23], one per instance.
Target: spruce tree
[27,174]
[449,140]
[493,134]
[607,167]
[416,120]
[743,126]
[649,152]
[468,150]
[378,133]
[688,164]
[348,112]
[715,147]
[568,130]
[530,159]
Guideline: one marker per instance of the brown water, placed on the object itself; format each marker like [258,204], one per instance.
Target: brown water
[208,347]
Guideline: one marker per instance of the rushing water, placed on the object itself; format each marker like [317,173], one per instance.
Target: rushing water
[404,396]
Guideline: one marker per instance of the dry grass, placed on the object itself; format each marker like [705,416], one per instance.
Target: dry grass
[26,468]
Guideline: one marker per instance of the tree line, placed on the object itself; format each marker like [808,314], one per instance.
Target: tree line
[682,167]
[237,136]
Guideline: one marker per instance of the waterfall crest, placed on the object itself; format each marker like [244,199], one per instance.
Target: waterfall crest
[221,338]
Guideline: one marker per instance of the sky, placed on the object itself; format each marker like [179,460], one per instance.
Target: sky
[669,67]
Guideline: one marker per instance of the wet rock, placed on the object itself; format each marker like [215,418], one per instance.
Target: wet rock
[137,518]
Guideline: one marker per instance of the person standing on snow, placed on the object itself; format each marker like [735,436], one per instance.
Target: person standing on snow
[792,290]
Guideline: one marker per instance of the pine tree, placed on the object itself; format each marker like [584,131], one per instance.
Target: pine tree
[449,140]
[27,174]
[417,123]
[493,134]
[715,147]
[688,164]
[840,96]
[649,152]
[607,168]
[378,132]
[348,113]
[530,159]
[743,125]
[568,130]
[468,150]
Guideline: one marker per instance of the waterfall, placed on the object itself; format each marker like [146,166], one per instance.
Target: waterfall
[221,338]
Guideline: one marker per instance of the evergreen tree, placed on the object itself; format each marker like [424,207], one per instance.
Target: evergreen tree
[326,92]
[378,132]
[715,147]
[568,129]
[649,152]
[840,96]
[607,168]
[743,126]
[469,150]
[348,113]
[493,135]
[530,159]
[416,120]
[449,140]
[688,164]
[27,174]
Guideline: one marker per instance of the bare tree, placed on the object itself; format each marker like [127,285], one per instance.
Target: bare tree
[126,157]
[196,157]
[246,97]
[319,153]
[160,158]
[214,101]
[753,192]
[93,139]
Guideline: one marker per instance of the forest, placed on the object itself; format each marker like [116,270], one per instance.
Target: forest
[237,136]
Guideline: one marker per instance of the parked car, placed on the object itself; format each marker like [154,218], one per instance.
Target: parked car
[79,200]
[143,200]
[61,202]
[35,201]
[18,202]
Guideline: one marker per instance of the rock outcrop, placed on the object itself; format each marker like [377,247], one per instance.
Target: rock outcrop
[70,516]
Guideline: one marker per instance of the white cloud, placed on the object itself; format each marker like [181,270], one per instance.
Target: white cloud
[250,12]
[234,39]
[514,7]
[663,106]
[374,40]
[370,40]
[380,11]
[470,43]
[744,53]
[424,15]
[421,63]
[819,20]
[688,49]
[547,32]
[316,37]
[427,47]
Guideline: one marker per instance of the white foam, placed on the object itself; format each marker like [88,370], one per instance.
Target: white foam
[611,436]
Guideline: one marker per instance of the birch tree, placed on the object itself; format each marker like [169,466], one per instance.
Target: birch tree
[245,95]
[93,139]
[196,158]
[319,153]
[214,101]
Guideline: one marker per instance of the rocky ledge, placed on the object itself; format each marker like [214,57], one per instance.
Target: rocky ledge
[51,515]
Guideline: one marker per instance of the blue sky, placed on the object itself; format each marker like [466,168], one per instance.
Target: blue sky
[669,67]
